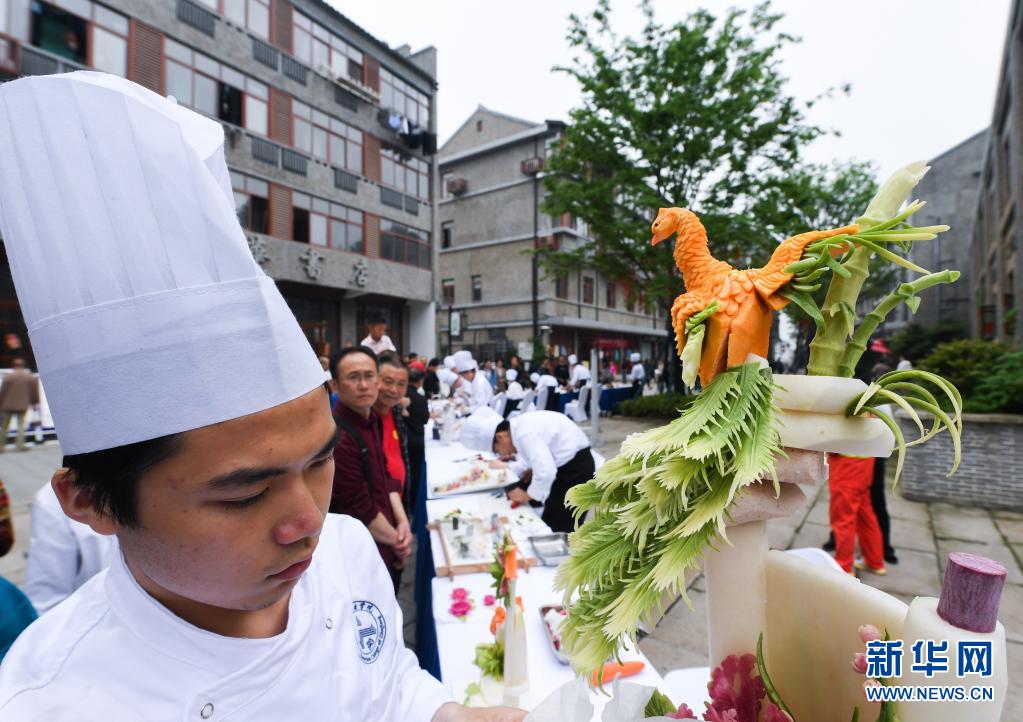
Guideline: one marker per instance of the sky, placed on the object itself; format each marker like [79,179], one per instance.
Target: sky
[923,72]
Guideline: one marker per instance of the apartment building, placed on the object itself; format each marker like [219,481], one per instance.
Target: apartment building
[490,217]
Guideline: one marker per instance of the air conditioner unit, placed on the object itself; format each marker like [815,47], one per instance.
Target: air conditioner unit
[548,241]
[532,166]
[457,186]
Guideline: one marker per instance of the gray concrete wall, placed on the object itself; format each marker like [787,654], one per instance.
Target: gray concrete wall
[950,189]
[493,126]
[988,475]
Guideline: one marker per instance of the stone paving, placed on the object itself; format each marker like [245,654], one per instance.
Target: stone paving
[923,535]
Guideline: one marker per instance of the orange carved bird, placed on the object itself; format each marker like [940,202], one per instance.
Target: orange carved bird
[746,298]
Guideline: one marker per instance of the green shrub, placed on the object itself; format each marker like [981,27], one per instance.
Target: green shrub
[660,406]
[966,364]
[1002,390]
[916,341]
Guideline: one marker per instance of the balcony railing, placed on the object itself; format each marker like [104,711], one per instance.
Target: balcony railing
[346,181]
[264,53]
[294,69]
[40,62]
[198,17]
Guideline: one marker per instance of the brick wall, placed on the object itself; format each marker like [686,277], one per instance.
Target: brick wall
[990,474]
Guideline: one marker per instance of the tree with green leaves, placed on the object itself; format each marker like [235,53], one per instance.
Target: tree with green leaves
[692,114]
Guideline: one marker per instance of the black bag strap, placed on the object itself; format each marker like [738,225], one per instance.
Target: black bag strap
[363,449]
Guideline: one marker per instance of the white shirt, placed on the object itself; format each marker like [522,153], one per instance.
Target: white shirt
[378,347]
[580,374]
[63,554]
[638,373]
[904,365]
[546,380]
[514,392]
[544,441]
[112,652]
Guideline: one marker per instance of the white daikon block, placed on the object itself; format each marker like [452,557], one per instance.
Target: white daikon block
[857,436]
[823,394]
[736,581]
[813,616]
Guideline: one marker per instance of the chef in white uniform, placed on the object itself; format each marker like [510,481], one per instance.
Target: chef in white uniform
[234,595]
[546,442]
[579,374]
[475,388]
[514,393]
[638,374]
[63,554]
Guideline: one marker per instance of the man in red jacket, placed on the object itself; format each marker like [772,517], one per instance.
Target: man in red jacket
[363,488]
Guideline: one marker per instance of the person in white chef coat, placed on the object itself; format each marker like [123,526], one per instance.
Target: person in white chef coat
[234,594]
[475,388]
[579,374]
[63,554]
[549,444]
[514,393]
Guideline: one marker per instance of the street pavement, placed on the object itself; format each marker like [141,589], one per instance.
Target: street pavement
[923,536]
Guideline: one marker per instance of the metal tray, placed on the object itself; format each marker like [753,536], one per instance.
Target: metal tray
[550,549]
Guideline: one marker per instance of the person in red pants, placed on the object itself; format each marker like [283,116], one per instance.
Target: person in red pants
[852,515]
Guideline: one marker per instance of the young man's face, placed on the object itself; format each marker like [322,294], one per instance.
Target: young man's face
[393,385]
[358,382]
[503,445]
[231,520]
[377,331]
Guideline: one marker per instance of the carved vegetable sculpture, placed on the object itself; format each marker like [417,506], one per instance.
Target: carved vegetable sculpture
[658,507]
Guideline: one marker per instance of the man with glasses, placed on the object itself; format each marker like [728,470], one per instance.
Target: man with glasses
[363,488]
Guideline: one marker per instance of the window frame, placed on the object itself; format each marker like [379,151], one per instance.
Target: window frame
[589,291]
[329,125]
[561,287]
[447,234]
[611,294]
[241,183]
[340,55]
[419,238]
[331,212]
[446,285]
[476,282]
[414,165]
[406,99]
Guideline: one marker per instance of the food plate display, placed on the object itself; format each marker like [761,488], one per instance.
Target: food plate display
[552,616]
[468,543]
[473,477]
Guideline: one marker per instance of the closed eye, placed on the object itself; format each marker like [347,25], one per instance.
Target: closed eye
[242,503]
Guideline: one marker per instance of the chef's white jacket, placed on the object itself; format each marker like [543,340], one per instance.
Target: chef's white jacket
[638,373]
[112,652]
[579,374]
[478,392]
[63,554]
[544,441]
[514,391]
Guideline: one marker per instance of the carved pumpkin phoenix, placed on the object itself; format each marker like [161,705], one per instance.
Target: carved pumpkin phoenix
[737,303]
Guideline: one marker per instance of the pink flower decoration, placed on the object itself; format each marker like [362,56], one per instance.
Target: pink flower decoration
[460,593]
[683,713]
[859,663]
[736,691]
[869,633]
[488,600]
[461,608]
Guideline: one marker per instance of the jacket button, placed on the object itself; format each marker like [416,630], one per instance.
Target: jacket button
[330,623]
[207,710]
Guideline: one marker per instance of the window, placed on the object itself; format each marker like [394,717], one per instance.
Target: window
[216,90]
[251,14]
[587,290]
[448,291]
[561,286]
[408,174]
[404,244]
[612,295]
[322,223]
[444,192]
[251,202]
[82,32]
[405,99]
[326,138]
[477,288]
[324,51]
[446,233]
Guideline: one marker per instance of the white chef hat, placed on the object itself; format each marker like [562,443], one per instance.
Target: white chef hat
[478,430]
[464,362]
[511,374]
[634,358]
[449,362]
[535,378]
[573,359]
[142,300]
[447,376]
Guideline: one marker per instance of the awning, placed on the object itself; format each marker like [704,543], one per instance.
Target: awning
[606,344]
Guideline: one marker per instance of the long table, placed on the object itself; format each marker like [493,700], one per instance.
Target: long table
[451,643]
[609,398]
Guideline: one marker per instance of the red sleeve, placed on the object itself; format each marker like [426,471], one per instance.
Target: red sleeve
[351,492]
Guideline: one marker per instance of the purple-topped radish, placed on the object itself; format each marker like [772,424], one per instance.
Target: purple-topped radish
[971,592]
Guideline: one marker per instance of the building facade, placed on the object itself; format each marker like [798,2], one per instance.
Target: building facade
[489,211]
[330,136]
[996,279]
[950,189]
